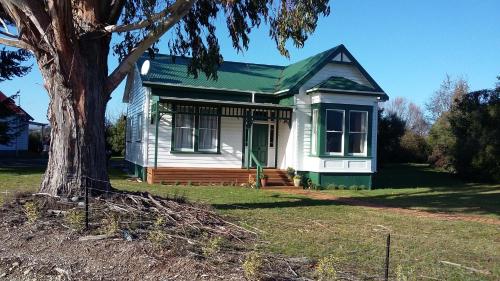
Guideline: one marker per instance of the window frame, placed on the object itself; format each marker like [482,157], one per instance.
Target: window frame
[326,132]
[198,129]
[193,132]
[196,113]
[314,131]
[365,145]
[129,129]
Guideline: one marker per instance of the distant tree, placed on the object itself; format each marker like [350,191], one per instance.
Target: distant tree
[414,148]
[443,98]
[115,135]
[11,64]
[475,123]
[410,113]
[391,129]
[442,141]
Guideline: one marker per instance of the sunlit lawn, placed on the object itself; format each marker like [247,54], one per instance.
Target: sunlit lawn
[297,226]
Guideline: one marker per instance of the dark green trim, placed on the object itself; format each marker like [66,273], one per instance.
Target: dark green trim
[321,134]
[325,180]
[215,94]
[287,100]
[341,92]
[137,171]
[157,124]
[276,143]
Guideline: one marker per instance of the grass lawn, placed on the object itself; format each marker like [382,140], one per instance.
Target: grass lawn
[414,186]
[298,226]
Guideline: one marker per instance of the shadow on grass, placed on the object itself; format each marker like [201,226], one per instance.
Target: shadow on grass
[293,202]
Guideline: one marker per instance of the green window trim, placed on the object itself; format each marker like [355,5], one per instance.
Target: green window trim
[320,144]
[196,150]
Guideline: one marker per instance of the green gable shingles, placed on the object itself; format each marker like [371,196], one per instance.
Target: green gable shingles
[341,83]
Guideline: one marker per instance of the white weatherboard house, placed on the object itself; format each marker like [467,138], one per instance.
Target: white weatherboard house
[318,116]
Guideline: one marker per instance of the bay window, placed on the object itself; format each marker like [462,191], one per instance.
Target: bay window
[341,130]
[334,131]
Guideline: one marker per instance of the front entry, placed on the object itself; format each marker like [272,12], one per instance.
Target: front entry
[259,142]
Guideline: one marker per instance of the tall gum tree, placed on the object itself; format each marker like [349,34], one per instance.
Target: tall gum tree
[71,42]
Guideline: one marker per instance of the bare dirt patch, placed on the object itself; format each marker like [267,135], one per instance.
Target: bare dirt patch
[132,236]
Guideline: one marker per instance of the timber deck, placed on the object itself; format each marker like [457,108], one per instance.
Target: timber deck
[213,176]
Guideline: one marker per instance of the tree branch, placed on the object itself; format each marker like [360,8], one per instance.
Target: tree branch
[15,43]
[178,10]
[9,35]
[141,24]
[116,10]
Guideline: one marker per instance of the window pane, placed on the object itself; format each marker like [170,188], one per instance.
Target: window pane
[183,138]
[334,120]
[357,121]
[184,131]
[208,139]
[207,132]
[333,142]
[357,142]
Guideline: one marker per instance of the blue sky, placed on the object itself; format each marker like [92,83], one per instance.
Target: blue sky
[407,46]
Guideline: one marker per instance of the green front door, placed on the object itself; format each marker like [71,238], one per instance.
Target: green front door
[259,143]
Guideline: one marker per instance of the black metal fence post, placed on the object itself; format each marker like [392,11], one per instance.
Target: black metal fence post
[86,204]
[387,253]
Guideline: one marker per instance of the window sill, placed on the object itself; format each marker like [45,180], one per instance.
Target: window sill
[342,156]
[193,152]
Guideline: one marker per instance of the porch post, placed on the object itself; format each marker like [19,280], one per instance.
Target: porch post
[250,137]
[157,123]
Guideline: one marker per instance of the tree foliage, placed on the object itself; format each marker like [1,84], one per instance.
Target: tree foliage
[12,64]
[474,122]
[391,129]
[115,136]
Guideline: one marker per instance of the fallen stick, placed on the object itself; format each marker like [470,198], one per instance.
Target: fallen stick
[93,237]
[485,272]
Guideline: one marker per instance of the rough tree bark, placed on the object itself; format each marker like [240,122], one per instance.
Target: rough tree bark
[76,86]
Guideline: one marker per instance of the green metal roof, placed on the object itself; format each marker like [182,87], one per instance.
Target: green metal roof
[171,71]
[343,84]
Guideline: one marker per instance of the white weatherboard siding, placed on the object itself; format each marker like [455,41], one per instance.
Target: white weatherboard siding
[138,103]
[285,149]
[231,147]
[340,70]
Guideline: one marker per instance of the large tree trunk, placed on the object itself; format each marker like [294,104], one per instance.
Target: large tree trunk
[76,86]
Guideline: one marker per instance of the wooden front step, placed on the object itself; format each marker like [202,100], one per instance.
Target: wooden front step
[213,176]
